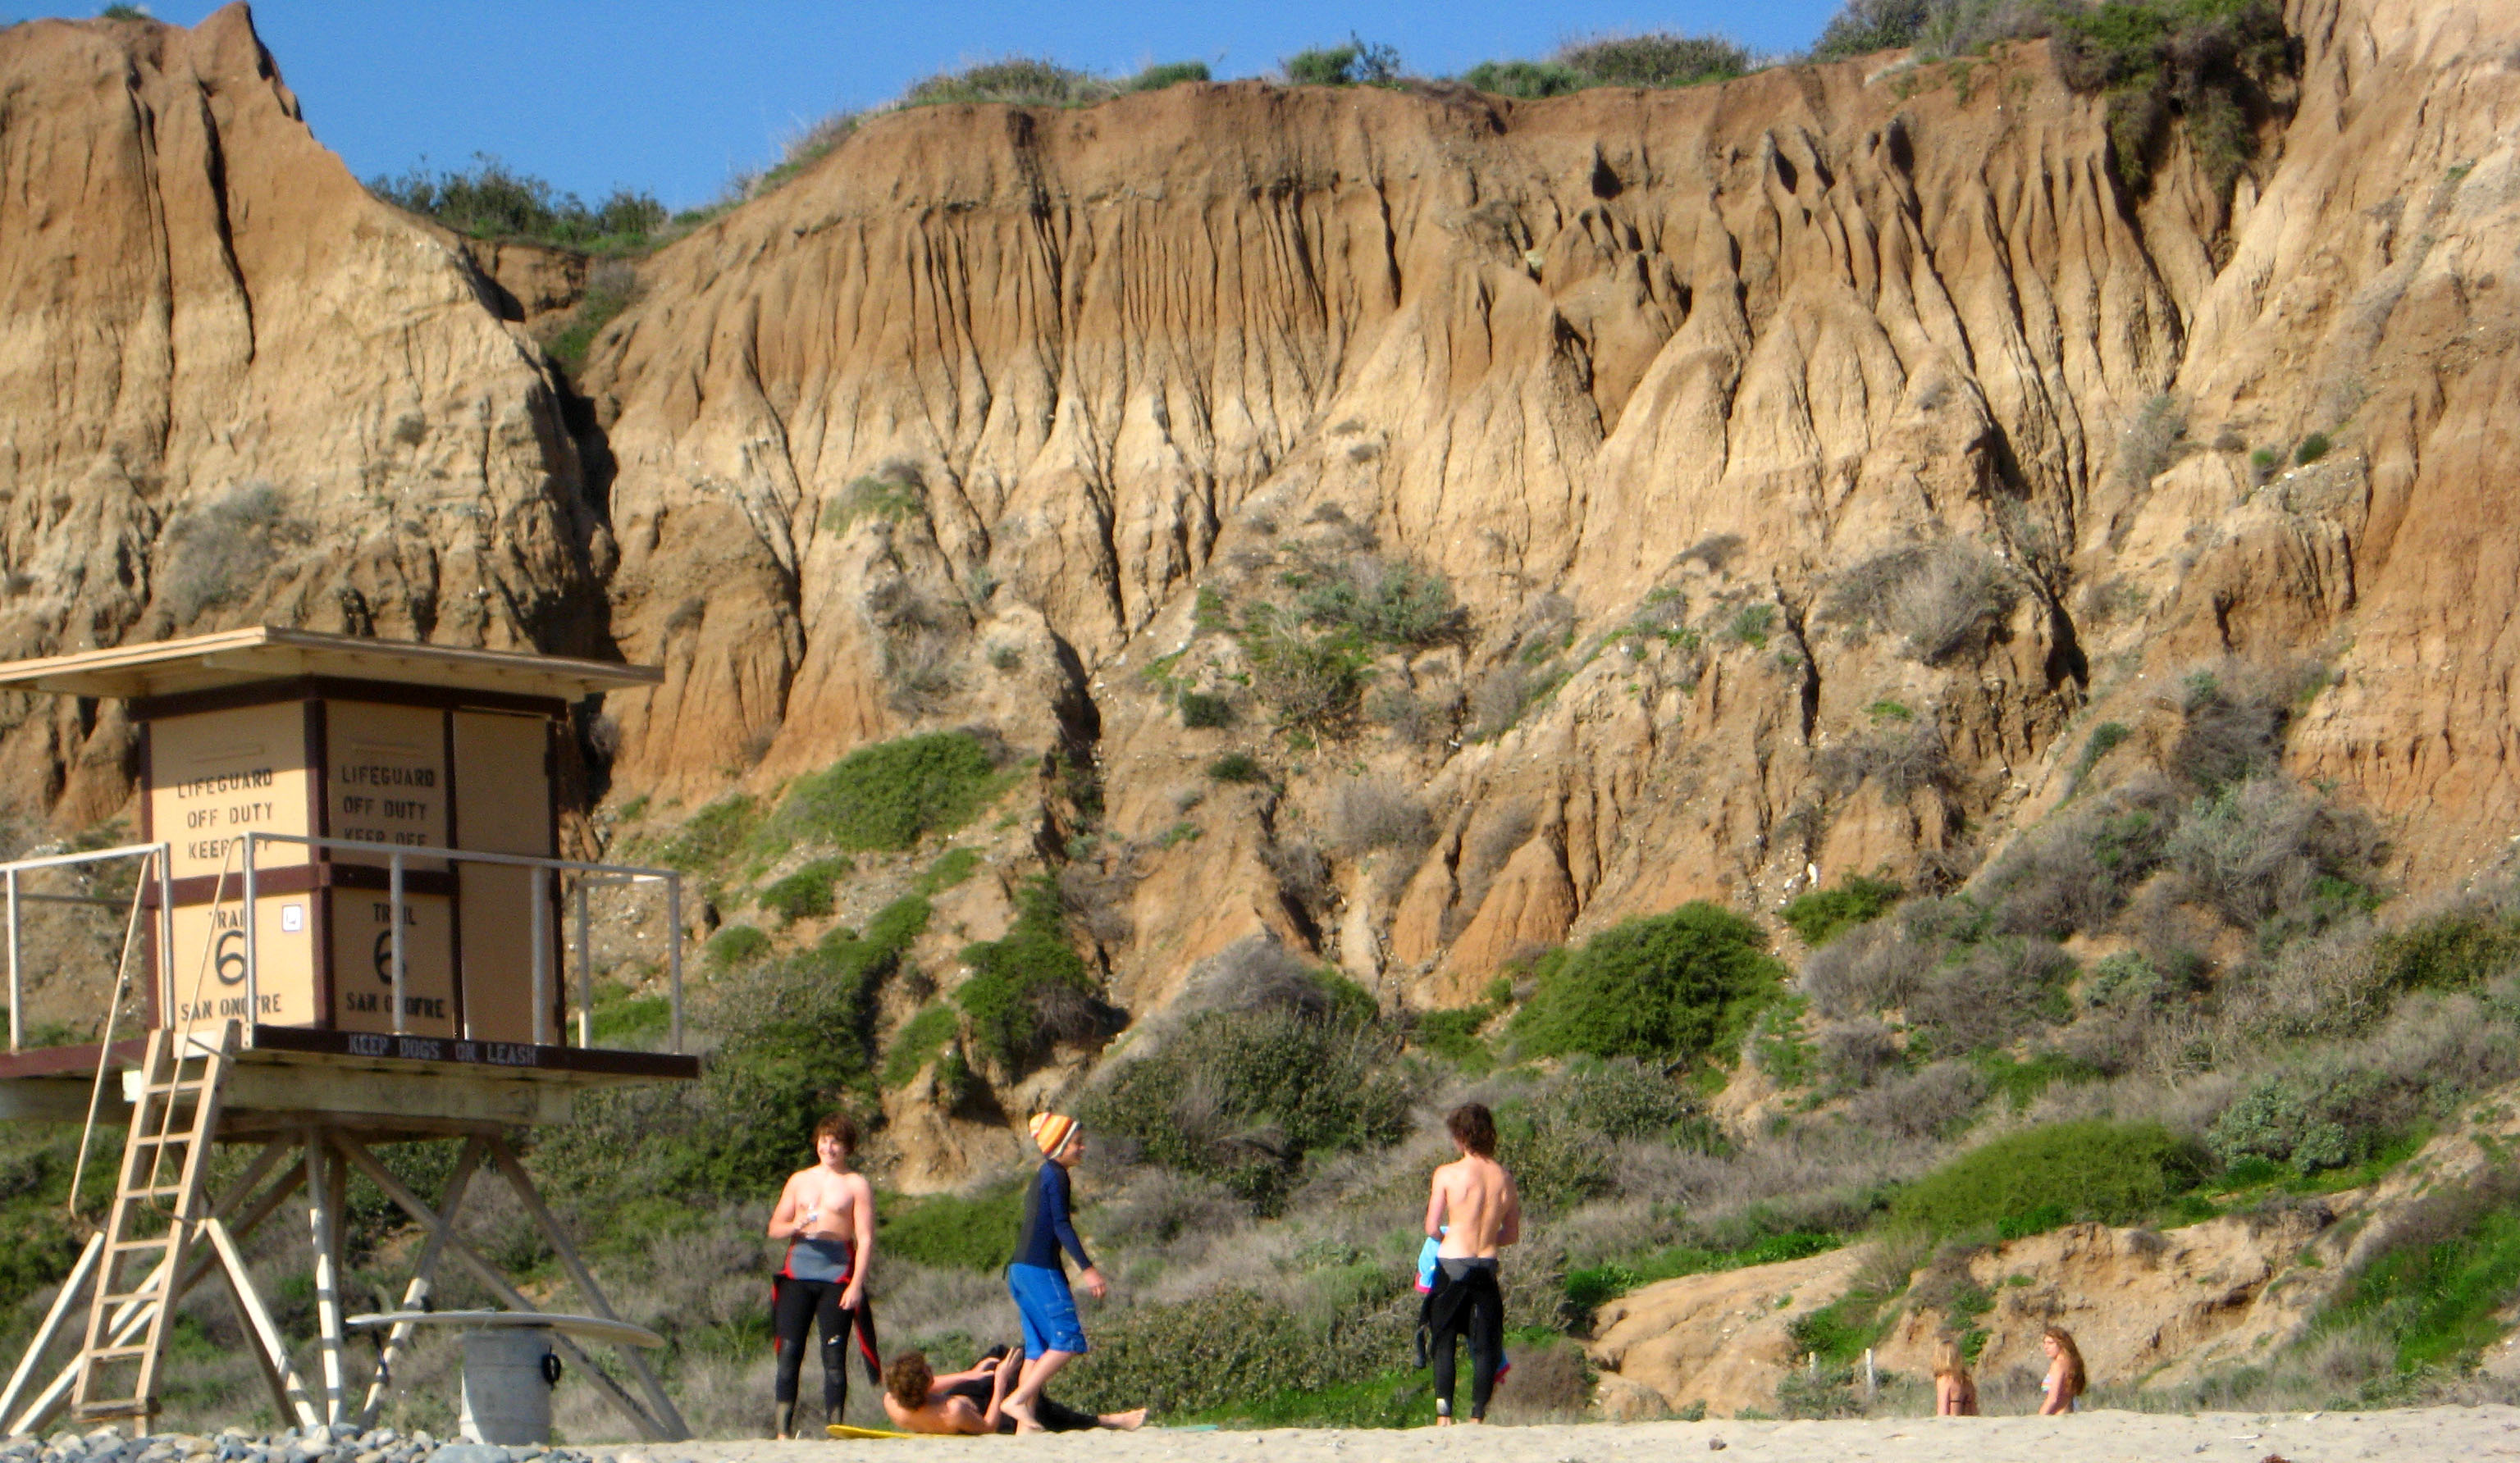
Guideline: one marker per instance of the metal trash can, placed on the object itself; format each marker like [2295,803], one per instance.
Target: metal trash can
[509,1372]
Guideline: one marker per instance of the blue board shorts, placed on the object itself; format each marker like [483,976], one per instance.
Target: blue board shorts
[1048,1308]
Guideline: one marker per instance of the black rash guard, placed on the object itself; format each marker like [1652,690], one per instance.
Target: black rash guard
[1047,1227]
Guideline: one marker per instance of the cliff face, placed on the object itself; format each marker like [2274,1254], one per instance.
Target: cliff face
[237,388]
[1847,390]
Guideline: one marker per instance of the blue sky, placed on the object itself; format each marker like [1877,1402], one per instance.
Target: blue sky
[675,98]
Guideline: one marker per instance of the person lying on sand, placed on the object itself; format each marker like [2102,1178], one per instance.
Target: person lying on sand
[972,1402]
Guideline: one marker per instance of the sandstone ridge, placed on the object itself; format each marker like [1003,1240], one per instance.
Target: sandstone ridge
[1686,360]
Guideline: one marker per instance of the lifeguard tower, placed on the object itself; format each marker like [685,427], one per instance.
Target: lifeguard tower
[347,924]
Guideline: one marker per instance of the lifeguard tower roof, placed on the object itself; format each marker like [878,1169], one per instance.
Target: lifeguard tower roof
[266,652]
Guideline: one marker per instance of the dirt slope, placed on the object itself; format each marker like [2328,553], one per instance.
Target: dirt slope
[2148,1308]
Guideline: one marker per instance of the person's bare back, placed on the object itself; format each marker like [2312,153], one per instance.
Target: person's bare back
[1472,1204]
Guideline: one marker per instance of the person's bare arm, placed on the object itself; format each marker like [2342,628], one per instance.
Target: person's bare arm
[1435,1206]
[2056,1402]
[783,1219]
[1510,1226]
[964,1418]
[1010,1367]
[863,1260]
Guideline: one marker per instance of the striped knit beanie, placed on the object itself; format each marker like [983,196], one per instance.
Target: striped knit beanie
[1052,1131]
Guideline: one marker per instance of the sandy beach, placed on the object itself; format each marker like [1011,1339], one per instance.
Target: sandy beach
[2426,1433]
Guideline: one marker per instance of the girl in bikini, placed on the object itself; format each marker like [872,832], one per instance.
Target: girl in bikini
[2065,1376]
[1955,1393]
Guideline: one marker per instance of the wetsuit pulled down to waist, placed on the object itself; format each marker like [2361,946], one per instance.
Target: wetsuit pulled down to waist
[1468,1300]
[812,1277]
[813,1258]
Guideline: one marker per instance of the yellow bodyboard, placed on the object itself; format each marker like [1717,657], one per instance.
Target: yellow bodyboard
[844,1430]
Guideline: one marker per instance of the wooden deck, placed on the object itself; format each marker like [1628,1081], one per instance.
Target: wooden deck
[382,1085]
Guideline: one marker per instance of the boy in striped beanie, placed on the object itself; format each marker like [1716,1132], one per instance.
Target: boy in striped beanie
[1038,1278]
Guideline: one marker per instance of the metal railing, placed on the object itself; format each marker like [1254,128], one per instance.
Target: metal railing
[156,870]
[397,857]
[18,896]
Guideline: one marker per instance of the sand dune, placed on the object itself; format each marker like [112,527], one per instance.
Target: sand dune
[2426,1433]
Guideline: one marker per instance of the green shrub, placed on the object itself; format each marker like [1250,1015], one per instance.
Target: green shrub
[1237,767]
[708,838]
[1556,1162]
[1751,625]
[1028,989]
[1823,914]
[2265,460]
[1368,600]
[1244,1097]
[626,1021]
[2112,1171]
[2438,1295]
[736,945]
[1199,710]
[1017,81]
[1864,26]
[2019,1082]
[2210,62]
[805,894]
[973,1232]
[1527,80]
[1672,988]
[2311,449]
[2105,738]
[892,794]
[1389,1398]
[919,1039]
[894,493]
[1166,73]
[494,202]
[1455,1037]
[952,867]
[1655,59]
[1358,62]
[789,1040]
[2460,950]
[1315,682]
[1217,1351]
[609,290]
[2315,1119]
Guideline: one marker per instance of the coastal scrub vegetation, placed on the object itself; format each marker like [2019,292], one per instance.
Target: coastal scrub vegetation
[2216,67]
[1651,59]
[491,200]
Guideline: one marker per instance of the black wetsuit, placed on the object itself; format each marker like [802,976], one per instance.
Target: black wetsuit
[807,1293]
[1056,1417]
[1466,1299]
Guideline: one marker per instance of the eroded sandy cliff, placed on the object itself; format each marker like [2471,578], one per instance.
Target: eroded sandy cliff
[955,426]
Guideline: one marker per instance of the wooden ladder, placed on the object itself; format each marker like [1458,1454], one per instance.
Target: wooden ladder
[158,1209]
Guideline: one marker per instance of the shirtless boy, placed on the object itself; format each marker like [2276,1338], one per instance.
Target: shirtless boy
[827,1216]
[1473,1208]
[972,1402]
